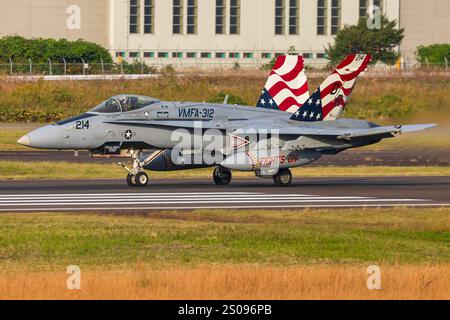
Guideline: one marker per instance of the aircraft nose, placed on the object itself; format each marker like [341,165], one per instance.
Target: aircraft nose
[47,137]
[25,140]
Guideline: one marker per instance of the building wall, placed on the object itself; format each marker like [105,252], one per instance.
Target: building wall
[425,22]
[257,33]
[48,19]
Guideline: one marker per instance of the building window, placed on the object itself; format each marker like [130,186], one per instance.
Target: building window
[235,16]
[266,55]
[321,56]
[149,54]
[177,16]
[279,16]
[192,17]
[120,54]
[177,55]
[134,16]
[220,55]
[163,54]
[322,17]
[363,4]
[148,16]
[335,16]
[205,55]
[308,55]
[220,16]
[248,55]
[293,16]
[134,54]
[191,55]
[378,3]
[234,55]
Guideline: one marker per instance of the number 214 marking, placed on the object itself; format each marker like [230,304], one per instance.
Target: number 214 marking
[80,125]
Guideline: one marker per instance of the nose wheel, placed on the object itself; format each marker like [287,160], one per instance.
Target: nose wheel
[283,178]
[138,180]
[221,176]
[136,176]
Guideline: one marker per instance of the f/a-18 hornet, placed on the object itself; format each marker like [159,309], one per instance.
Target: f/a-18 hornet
[288,128]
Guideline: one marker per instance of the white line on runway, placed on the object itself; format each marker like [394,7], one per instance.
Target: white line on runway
[176,199]
[120,194]
[281,196]
[231,207]
[203,202]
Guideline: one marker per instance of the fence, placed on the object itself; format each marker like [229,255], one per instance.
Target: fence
[180,65]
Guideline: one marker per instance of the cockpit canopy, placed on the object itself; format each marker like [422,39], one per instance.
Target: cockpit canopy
[124,103]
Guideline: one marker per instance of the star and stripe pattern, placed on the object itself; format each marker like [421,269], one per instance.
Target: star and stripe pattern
[287,86]
[332,95]
[311,110]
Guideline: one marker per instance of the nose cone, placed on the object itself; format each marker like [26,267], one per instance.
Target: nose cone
[48,137]
[25,141]
[239,161]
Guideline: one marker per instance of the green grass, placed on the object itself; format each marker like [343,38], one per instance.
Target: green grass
[283,237]
[16,170]
[376,99]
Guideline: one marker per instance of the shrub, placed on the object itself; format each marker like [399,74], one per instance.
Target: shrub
[435,53]
[40,50]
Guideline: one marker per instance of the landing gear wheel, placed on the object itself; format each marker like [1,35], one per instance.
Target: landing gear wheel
[141,179]
[283,178]
[221,176]
[131,180]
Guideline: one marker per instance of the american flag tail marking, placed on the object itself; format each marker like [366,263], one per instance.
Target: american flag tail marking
[286,88]
[330,98]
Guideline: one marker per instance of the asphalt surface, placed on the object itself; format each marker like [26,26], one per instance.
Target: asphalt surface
[346,158]
[116,196]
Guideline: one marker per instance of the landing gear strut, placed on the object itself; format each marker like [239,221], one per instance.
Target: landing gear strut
[136,176]
[283,178]
[221,176]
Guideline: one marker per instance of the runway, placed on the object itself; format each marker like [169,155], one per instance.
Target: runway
[116,196]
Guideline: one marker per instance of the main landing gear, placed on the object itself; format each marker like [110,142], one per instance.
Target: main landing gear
[283,178]
[222,176]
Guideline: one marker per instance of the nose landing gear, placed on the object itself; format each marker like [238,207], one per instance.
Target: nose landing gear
[136,176]
[138,180]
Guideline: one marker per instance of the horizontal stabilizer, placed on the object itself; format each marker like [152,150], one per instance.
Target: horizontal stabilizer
[385,130]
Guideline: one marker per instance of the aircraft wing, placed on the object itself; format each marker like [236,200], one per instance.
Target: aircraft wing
[348,134]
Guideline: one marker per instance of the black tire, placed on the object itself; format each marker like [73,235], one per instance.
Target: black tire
[131,181]
[283,178]
[222,176]
[141,179]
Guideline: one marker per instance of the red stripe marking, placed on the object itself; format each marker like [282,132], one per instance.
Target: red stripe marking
[291,75]
[277,87]
[287,103]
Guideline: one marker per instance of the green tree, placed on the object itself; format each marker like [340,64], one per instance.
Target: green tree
[40,50]
[435,53]
[358,38]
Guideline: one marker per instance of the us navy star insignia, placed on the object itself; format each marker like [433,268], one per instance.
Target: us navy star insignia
[128,134]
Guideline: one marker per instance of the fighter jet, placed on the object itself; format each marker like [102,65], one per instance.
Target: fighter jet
[288,128]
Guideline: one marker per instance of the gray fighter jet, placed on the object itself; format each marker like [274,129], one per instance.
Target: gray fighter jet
[288,128]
